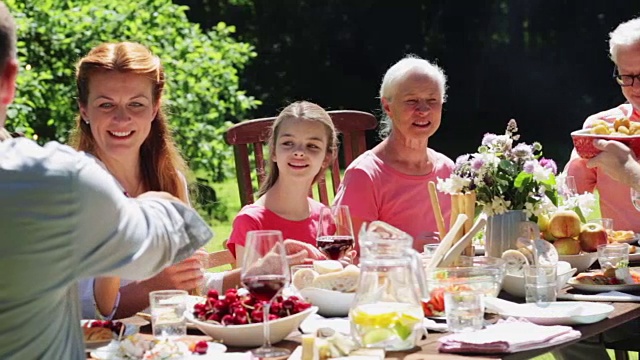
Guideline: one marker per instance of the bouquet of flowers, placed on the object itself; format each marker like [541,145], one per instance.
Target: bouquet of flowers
[506,176]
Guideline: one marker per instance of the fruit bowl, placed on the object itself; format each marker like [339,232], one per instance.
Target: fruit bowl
[330,303]
[582,261]
[514,284]
[250,335]
[583,142]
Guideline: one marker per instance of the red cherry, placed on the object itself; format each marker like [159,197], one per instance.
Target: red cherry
[213,294]
[214,317]
[201,347]
[257,316]
[231,297]
[227,320]
[273,317]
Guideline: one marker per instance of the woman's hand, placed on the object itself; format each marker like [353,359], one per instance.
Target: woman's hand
[185,275]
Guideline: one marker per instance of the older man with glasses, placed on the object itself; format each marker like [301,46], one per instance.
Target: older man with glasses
[615,203]
[612,173]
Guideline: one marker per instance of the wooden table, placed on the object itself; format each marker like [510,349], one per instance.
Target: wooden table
[428,348]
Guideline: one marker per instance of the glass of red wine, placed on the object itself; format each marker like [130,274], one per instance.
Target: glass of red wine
[335,232]
[265,272]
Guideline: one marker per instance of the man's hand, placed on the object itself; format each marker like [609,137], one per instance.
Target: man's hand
[617,161]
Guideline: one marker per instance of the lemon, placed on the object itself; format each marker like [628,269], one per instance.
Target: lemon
[373,315]
[378,335]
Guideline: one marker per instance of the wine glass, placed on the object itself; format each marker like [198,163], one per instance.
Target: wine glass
[335,232]
[635,198]
[568,188]
[265,272]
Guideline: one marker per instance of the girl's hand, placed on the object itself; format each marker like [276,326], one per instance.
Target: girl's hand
[295,246]
[349,258]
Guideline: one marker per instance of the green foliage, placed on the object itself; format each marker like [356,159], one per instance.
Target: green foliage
[203,94]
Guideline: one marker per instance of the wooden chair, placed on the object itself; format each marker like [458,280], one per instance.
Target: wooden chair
[251,135]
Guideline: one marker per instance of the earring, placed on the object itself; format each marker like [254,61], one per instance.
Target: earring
[86,121]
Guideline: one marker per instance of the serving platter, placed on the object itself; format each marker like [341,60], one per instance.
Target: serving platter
[603,288]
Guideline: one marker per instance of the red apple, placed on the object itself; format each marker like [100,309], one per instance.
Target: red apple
[591,236]
[564,224]
[567,246]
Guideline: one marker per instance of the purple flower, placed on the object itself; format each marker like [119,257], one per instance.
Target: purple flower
[488,139]
[462,160]
[529,166]
[522,151]
[549,164]
[477,164]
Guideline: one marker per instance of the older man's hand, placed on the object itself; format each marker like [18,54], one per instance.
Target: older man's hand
[617,161]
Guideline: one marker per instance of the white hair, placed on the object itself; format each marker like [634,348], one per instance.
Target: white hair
[399,71]
[627,33]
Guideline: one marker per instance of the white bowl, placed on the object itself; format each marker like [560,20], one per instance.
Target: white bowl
[330,303]
[514,284]
[582,261]
[250,335]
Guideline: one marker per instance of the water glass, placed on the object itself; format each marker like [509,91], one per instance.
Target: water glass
[635,198]
[464,310]
[567,187]
[607,223]
[540,283]
[167,313]
[611,255]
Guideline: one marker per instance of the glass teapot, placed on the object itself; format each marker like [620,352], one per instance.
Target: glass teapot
[387,310]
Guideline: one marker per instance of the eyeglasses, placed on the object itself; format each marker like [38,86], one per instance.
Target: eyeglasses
[624,80]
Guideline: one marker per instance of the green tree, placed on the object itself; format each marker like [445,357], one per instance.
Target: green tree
[203,93]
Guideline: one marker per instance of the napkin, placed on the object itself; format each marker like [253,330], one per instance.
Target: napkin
[605,296]
[507,336]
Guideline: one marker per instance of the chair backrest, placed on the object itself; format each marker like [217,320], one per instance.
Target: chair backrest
[251,135]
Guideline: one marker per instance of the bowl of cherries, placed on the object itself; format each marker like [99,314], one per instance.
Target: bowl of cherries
[236,318]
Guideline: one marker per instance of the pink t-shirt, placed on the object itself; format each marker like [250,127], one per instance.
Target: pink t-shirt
[615,201]
[376,191]
[258,217]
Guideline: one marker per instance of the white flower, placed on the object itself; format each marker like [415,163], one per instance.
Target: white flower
[541,173]
[454,184]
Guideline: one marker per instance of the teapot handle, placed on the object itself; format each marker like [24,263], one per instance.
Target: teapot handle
[418,269]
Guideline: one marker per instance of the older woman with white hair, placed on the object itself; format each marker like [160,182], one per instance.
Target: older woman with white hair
[624,49]
[389,182]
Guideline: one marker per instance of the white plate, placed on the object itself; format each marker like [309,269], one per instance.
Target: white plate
[602,288]
[109,352]
[561,313]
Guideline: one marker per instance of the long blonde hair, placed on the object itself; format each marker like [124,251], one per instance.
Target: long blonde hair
[161,164]
[303,111]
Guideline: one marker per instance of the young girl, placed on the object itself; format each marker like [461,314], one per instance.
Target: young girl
[303,143]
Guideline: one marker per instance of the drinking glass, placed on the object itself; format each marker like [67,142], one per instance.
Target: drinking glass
[335,232]
[265,272]
[567,187]
[607,224]
[610,255]
[635,198]
[540,284]
[464,310]
[167,313]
